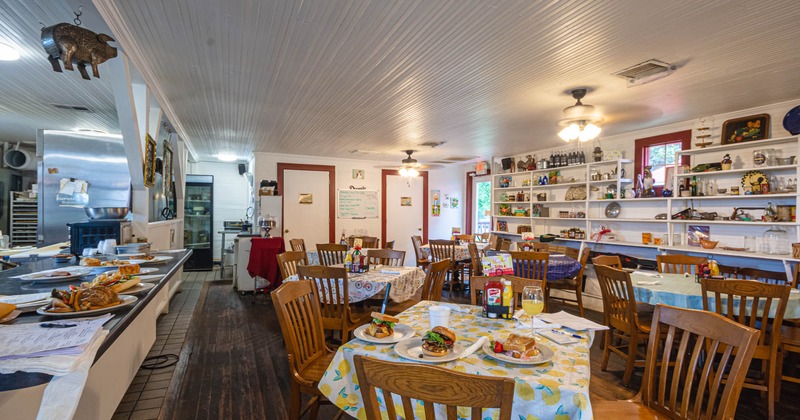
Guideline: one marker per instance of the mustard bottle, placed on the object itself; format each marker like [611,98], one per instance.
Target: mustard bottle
[508,298]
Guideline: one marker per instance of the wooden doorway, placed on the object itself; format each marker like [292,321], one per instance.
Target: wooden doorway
[404,209]
[331,191]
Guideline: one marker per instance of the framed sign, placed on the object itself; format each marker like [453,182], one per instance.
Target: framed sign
[738,130]
[167,176]
[149,161]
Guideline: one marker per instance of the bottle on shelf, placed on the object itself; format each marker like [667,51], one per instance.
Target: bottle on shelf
[343,240]
[552,163]
[694,186]
[583,158]
[770,214]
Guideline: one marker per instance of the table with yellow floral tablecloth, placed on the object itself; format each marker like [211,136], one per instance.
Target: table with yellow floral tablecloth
[558,389]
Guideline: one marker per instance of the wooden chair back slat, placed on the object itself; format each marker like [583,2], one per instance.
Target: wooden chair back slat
[609,260]
[331,254]
[297,244]
[298,310]
[388,245]
[442,249]
[434,280]
[465,238]
[288,262]
[680,379]
[679,263]
[475,260]
[366,241]
[332,288]
[478,284]
[388,257]
[764,276]
[431,385]
[531,265]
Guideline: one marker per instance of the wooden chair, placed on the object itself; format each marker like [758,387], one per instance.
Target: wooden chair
[333,291]
[431,385]
[388,257]
[571,285]
[422,258]
[505,245]
[790,343]
[288,262]
[764,276]
[431,289]
[465,238]
[388,245]
[494,242]
[478,284]
[573,253]
[531,265]
[366,241]
[609,260]
[678,382]
[331,254]
[442,249]
[298,310]
[735,299]
[622,319]
[475,265]
[297,245]
[679,263]
[484,237]
[729,272]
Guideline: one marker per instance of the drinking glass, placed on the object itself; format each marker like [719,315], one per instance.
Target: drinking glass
[532,304]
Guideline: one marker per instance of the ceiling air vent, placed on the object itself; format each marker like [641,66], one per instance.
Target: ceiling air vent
[72,107]
[459,158]
[431,144]
[646,72]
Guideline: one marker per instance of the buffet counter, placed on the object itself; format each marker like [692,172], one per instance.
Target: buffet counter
[131,334]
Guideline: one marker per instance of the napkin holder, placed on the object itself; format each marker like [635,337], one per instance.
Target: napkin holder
[501,312]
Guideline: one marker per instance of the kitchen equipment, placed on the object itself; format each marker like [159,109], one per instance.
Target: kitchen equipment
[612,210]
[784,160]
[89,234]
[775,241]
[705,243]
[106,213]
[134,248]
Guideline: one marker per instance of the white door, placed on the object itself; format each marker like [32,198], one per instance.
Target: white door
[404,220]
[305,207]
[481,204]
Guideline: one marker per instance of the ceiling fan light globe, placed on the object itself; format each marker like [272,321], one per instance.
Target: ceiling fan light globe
[412,172]
[403,172]
[570,132]
[589,132]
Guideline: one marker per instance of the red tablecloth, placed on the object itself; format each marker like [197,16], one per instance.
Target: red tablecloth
[264,260]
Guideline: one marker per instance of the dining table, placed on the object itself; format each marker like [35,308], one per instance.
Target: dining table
[401,283]
[683,291]
[558,388]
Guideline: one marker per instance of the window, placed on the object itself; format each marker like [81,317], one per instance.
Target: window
[659,153]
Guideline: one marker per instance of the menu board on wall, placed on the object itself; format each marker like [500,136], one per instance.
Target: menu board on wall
[357,204]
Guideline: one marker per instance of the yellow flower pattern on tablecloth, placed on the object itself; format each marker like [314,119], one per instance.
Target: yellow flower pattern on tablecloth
[558,389]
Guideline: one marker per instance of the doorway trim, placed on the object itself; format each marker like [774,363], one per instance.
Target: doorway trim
[331,170]
[424,175]
[469,198]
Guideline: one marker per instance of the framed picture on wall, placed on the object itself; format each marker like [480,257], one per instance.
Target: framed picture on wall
[167,158]
[149,162]
[738,130]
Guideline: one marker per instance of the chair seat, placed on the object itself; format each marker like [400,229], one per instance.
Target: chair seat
[645,308]
[315,370]
[624,409]
[790,335]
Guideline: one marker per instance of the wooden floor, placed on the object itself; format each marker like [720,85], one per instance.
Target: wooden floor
[233,365]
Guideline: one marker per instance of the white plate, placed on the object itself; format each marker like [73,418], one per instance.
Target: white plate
[127,300]
[159,259]
[545,355]
[139,288]
[40,277]
[411,349]
[401,332]
[151,278]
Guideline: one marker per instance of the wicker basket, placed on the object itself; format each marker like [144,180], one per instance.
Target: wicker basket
[796,250]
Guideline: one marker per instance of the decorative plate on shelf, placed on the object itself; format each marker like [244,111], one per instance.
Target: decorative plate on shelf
[791,122]
[575,193]
[752,178]
[612,210]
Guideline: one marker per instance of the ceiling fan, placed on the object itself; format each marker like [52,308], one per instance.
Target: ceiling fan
[410,167]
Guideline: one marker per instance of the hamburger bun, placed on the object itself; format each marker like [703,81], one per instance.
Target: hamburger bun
[385,318]
[435,353]
[445,332]
[122,286]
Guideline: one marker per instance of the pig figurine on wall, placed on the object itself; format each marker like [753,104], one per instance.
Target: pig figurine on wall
[73,44]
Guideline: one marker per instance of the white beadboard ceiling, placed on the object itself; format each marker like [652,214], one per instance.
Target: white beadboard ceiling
[325,77]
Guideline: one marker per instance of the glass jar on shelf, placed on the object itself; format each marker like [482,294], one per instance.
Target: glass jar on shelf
[775,241]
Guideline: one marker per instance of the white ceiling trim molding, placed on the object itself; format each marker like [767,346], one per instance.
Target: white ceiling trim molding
[110,13]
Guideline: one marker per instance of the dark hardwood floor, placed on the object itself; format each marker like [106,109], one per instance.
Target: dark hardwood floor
[233,365]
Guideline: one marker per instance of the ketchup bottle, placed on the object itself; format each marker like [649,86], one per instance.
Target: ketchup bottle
[492,296]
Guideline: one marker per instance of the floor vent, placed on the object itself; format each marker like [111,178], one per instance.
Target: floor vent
[646,72]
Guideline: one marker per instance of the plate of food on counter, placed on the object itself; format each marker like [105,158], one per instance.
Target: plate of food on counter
[56,274]
[27,302]
[124,281]
[384,329]
[519,349]
[151,259]
[78,301]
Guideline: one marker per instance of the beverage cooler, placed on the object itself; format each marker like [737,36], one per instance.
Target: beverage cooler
[199,221]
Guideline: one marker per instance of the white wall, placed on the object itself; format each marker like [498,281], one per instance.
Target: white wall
[230,195]
[448,180]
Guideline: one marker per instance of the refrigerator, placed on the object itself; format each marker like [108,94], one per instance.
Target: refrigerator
[199,221]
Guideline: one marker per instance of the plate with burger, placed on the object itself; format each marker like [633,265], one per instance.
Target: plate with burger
[519,349]
[437,345]
[384,329]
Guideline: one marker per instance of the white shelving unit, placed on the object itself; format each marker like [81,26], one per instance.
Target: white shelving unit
[638,215]
[24,219]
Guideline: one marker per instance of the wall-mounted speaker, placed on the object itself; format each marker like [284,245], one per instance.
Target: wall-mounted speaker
[242,168]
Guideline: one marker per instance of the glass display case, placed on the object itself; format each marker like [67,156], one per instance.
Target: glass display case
[198,222]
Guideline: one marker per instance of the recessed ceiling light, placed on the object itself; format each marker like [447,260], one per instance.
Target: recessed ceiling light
[8,53]
[226,157]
